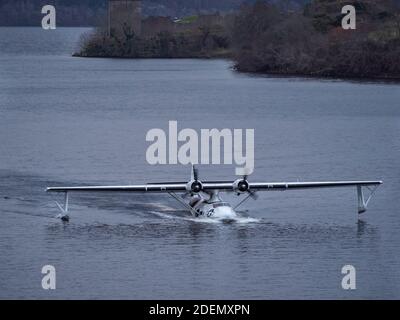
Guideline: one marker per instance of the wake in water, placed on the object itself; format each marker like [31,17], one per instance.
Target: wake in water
[182,215]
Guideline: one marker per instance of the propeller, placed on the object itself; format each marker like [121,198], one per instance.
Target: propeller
[253,194]
[194,185]
[242,186]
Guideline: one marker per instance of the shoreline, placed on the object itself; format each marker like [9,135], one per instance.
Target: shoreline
[323,77]
[360,79]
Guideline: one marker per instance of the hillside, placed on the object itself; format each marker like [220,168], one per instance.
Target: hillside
[90,12]
[312,42]
[263,38]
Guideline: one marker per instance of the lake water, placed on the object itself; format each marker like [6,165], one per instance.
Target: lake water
[66,120]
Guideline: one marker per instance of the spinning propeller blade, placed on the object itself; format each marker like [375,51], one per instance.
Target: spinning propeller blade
[251,193]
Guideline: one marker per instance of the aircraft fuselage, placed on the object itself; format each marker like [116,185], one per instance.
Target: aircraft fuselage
[214,207]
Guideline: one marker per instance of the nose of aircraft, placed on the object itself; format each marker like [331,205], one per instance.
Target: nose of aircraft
[224,212]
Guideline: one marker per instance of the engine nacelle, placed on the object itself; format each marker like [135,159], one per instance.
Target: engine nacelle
[241,186]
[194,186]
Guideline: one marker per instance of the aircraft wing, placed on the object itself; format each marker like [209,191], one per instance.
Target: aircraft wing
[308,185]
[167,187]
[371,185]
[222,186]
[252,187]
[276,186]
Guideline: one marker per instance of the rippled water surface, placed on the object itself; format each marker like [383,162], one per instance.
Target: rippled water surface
[66,120]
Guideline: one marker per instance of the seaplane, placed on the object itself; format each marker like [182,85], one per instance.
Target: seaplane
[203,198]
